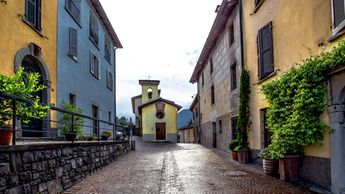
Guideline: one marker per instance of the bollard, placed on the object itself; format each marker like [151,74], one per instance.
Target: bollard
[132,145]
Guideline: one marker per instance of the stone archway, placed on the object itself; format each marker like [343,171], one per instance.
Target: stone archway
[30,58]
[336,110]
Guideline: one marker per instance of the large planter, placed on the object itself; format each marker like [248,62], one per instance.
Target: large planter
[289,168]
[234,155]
[270,166]
[6,135]
[104,137]
[243,156]
[70,136]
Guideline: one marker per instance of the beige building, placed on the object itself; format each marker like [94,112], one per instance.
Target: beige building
[278,34]
[217,76]
[194,108]
[186,134]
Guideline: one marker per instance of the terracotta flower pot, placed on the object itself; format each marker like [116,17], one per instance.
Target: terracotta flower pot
[6,135]
[289,168]
[234,155]
[270,166]
[243,156]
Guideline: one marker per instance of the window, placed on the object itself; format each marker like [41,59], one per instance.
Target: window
[265,51]
[107,49]
[110,80]
[220,124]
[33,13]
[266,131]
[202,79]
[95,122]
[109,116]
[234,127]
[212,95]
[338,15]
[160,115]
[72,98]
[73,8]
[211,65]
[231,35]
[95,66]
[149,93]
[233,76]
[73,44]
[94,28]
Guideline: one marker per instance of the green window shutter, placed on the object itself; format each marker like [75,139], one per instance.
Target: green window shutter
[30,10]
[265,50]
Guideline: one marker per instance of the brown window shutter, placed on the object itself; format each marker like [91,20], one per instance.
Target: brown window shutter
[265,50]
[338,12]
[39,26]
[73,41]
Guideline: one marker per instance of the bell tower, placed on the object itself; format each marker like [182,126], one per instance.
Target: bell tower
[149,90]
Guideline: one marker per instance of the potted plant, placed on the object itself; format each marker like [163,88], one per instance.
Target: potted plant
[269,163]
[91,137]
[25,86]
[233,145]
[243,151]
[106,134]
[71,128]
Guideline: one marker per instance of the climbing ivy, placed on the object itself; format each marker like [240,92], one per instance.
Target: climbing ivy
[243,118]
[296,101]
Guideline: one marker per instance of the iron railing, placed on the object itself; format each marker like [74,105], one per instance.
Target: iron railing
[49,129]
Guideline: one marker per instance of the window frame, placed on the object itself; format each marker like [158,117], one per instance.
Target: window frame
[69,3]
[341,25]
[95,69]
[211,65]
[37,23]
[109,80]
[107,51]
[231,35]
[220,125]
[72,98]
[74,56]
[213,99]
[94,39]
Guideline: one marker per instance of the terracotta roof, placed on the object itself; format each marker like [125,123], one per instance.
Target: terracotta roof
[105,21]
[219,23]
[172,103]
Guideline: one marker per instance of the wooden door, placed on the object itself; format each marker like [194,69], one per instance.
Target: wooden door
[160,131]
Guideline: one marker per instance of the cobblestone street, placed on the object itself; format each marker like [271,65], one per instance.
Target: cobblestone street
[179,168]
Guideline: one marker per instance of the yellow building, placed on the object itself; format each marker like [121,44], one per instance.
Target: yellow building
[158,116]
[278,34]
[28,39]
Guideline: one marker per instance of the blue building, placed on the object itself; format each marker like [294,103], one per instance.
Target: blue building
[86,59]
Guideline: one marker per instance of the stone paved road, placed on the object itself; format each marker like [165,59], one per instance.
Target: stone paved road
[179,168]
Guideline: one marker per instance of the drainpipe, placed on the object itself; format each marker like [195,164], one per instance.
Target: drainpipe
[115,89]
[199,115]
[241,32]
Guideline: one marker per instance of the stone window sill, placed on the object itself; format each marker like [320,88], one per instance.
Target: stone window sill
[266,78]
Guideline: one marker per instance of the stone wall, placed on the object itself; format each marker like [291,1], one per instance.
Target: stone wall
[52,168]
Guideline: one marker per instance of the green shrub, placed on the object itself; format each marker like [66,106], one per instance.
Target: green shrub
[233,145]
[66,120]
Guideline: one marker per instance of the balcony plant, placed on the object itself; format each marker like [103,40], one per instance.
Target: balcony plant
[70,126]
[243,151]
[106,134]
[25,86]
[233,146]
[269,163]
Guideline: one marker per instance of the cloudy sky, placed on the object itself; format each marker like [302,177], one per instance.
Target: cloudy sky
[162,39]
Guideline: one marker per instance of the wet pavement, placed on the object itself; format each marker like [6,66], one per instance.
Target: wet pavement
[180,168]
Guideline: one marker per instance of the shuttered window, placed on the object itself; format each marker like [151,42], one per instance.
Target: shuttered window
[211,65]
[107,49]
[73,8]
[33,13]
[231,35]
[220,124]
[110,80]
[95,66]
[338,15]
[212,95]
[257,2]
[233,76]
[73,43]
[265,51]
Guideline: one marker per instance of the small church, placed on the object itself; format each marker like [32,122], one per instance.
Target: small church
[155,117]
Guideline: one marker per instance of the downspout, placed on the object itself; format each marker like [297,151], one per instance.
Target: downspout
[241,33]
[199,115]
[115,90]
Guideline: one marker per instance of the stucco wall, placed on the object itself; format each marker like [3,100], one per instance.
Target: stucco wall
[149,120]
[15,35]
[75,77]
[226,100]
[303,34]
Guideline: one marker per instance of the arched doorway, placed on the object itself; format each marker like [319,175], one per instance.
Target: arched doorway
[35,127]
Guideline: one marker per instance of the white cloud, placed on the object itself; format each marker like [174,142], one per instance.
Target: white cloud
[161,39]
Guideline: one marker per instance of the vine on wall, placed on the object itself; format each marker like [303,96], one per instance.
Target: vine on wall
[296,101]
[243,117]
